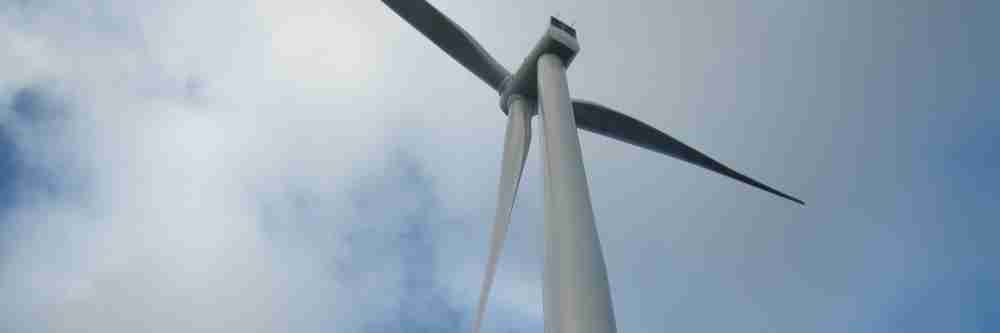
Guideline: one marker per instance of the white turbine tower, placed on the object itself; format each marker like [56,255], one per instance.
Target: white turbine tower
[576,293]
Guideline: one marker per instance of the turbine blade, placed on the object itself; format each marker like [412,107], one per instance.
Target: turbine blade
[602,120]
[451,38]
[517,141]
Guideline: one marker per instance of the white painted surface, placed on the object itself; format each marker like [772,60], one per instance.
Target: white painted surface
[515,150]
[576,292]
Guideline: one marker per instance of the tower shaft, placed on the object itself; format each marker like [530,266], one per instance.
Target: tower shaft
[577,297]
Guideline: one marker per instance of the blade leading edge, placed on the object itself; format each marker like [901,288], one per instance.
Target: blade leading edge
[602,120]
[515,151]
[451,38]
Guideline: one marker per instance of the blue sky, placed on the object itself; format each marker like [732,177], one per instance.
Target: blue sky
[320,166]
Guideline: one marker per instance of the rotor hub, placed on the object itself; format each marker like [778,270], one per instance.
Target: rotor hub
[559,39]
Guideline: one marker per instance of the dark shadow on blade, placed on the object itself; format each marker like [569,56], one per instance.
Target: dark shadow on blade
[602,120]
[451,38]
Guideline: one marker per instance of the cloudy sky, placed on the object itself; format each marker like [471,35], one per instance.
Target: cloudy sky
[307,166]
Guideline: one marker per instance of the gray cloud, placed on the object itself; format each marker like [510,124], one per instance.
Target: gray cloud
[321,166]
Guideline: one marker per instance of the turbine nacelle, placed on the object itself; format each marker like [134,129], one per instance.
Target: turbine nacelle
[573,293]
[559,39]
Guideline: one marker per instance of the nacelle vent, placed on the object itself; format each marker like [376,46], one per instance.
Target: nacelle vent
[563,26]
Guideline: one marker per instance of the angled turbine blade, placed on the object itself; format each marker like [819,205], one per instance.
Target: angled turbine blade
[515,150]
[451,38]
[602,120]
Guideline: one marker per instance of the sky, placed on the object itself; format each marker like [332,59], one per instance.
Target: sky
[271,166]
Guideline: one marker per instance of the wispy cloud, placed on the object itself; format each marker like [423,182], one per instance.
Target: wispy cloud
[320,166]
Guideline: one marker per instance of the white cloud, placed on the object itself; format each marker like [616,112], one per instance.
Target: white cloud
[236,165]
[191,138]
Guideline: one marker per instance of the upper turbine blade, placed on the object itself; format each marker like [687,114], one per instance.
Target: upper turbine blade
[450,38]
[602,120]
[515,150]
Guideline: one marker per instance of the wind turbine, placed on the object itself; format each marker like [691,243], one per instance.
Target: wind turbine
[576,296]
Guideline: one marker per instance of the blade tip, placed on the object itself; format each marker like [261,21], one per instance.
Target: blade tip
[796,200]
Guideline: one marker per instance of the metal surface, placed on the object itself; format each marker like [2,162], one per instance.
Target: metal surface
[451,38]
[517,140]
[577,297]
[556,40]
[603,120]
[576,292]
